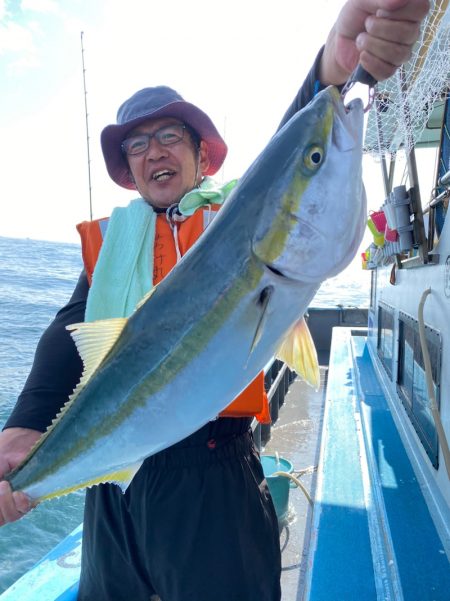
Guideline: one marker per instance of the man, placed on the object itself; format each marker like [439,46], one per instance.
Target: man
[197,521]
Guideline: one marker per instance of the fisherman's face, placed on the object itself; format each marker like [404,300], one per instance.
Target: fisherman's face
[163,174]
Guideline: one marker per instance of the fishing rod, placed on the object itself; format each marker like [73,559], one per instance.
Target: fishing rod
[87,127]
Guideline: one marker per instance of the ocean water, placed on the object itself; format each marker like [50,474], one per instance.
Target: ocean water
[36,279]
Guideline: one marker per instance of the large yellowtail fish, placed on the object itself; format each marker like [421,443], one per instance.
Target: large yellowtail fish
[296,218]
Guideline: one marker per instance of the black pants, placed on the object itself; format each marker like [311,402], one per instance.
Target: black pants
[196,524]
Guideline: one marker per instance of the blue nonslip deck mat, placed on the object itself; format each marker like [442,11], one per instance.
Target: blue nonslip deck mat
[422,564]
[340,562]
[372,536]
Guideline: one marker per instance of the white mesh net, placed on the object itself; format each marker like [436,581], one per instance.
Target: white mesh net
[405,101]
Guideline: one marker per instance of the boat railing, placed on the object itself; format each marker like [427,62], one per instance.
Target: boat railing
[277,379]
[443,182]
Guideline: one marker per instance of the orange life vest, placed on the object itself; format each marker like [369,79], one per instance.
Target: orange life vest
[252,402]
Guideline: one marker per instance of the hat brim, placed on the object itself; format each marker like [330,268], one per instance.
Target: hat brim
[113,135]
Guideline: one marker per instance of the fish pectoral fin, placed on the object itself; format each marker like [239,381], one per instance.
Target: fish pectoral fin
[299,353]
[263,303]
[94,340]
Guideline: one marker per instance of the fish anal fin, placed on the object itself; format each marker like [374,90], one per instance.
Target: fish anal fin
[299,353]
[122,477]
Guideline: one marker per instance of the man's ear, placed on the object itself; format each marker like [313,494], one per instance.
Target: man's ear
[204,159]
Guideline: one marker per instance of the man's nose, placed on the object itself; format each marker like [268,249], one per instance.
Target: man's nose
[155,150]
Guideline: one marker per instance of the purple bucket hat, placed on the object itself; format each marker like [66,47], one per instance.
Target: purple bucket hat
[153,103]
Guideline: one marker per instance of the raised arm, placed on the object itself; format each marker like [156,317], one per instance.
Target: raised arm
[378,34]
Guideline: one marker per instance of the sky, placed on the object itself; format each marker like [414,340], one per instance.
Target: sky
[241,62]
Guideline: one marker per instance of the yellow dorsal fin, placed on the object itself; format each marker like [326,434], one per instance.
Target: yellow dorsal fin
[299,353]
[94,340]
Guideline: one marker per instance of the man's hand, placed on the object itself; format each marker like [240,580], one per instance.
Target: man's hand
[14,446]
[378,34]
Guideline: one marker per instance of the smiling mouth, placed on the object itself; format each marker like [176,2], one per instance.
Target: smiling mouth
[163,175]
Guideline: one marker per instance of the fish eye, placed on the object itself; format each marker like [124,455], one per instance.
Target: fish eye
[313,157]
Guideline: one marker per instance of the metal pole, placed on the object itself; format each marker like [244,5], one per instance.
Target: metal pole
[419,229]
[378,108]
[87,128]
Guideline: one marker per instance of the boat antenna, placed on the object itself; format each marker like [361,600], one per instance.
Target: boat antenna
[87,127]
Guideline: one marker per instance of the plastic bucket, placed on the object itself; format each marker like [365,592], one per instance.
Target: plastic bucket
[378,237]
[390,235]
[379,219]
[372,227]
[278,485]
[389,211]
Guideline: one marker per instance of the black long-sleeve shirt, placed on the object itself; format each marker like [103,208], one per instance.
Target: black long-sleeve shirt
[57,366]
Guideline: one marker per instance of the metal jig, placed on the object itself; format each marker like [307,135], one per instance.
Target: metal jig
[360,75]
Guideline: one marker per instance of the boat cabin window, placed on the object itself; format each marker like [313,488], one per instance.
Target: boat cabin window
[385,343]
[411,380]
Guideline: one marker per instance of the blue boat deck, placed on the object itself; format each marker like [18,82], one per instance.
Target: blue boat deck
[372,534]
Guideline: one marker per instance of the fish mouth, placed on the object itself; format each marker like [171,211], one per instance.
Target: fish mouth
[347,124]
[283,278]
[275,271]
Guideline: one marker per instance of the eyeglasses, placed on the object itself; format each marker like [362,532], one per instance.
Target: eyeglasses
[167,135]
